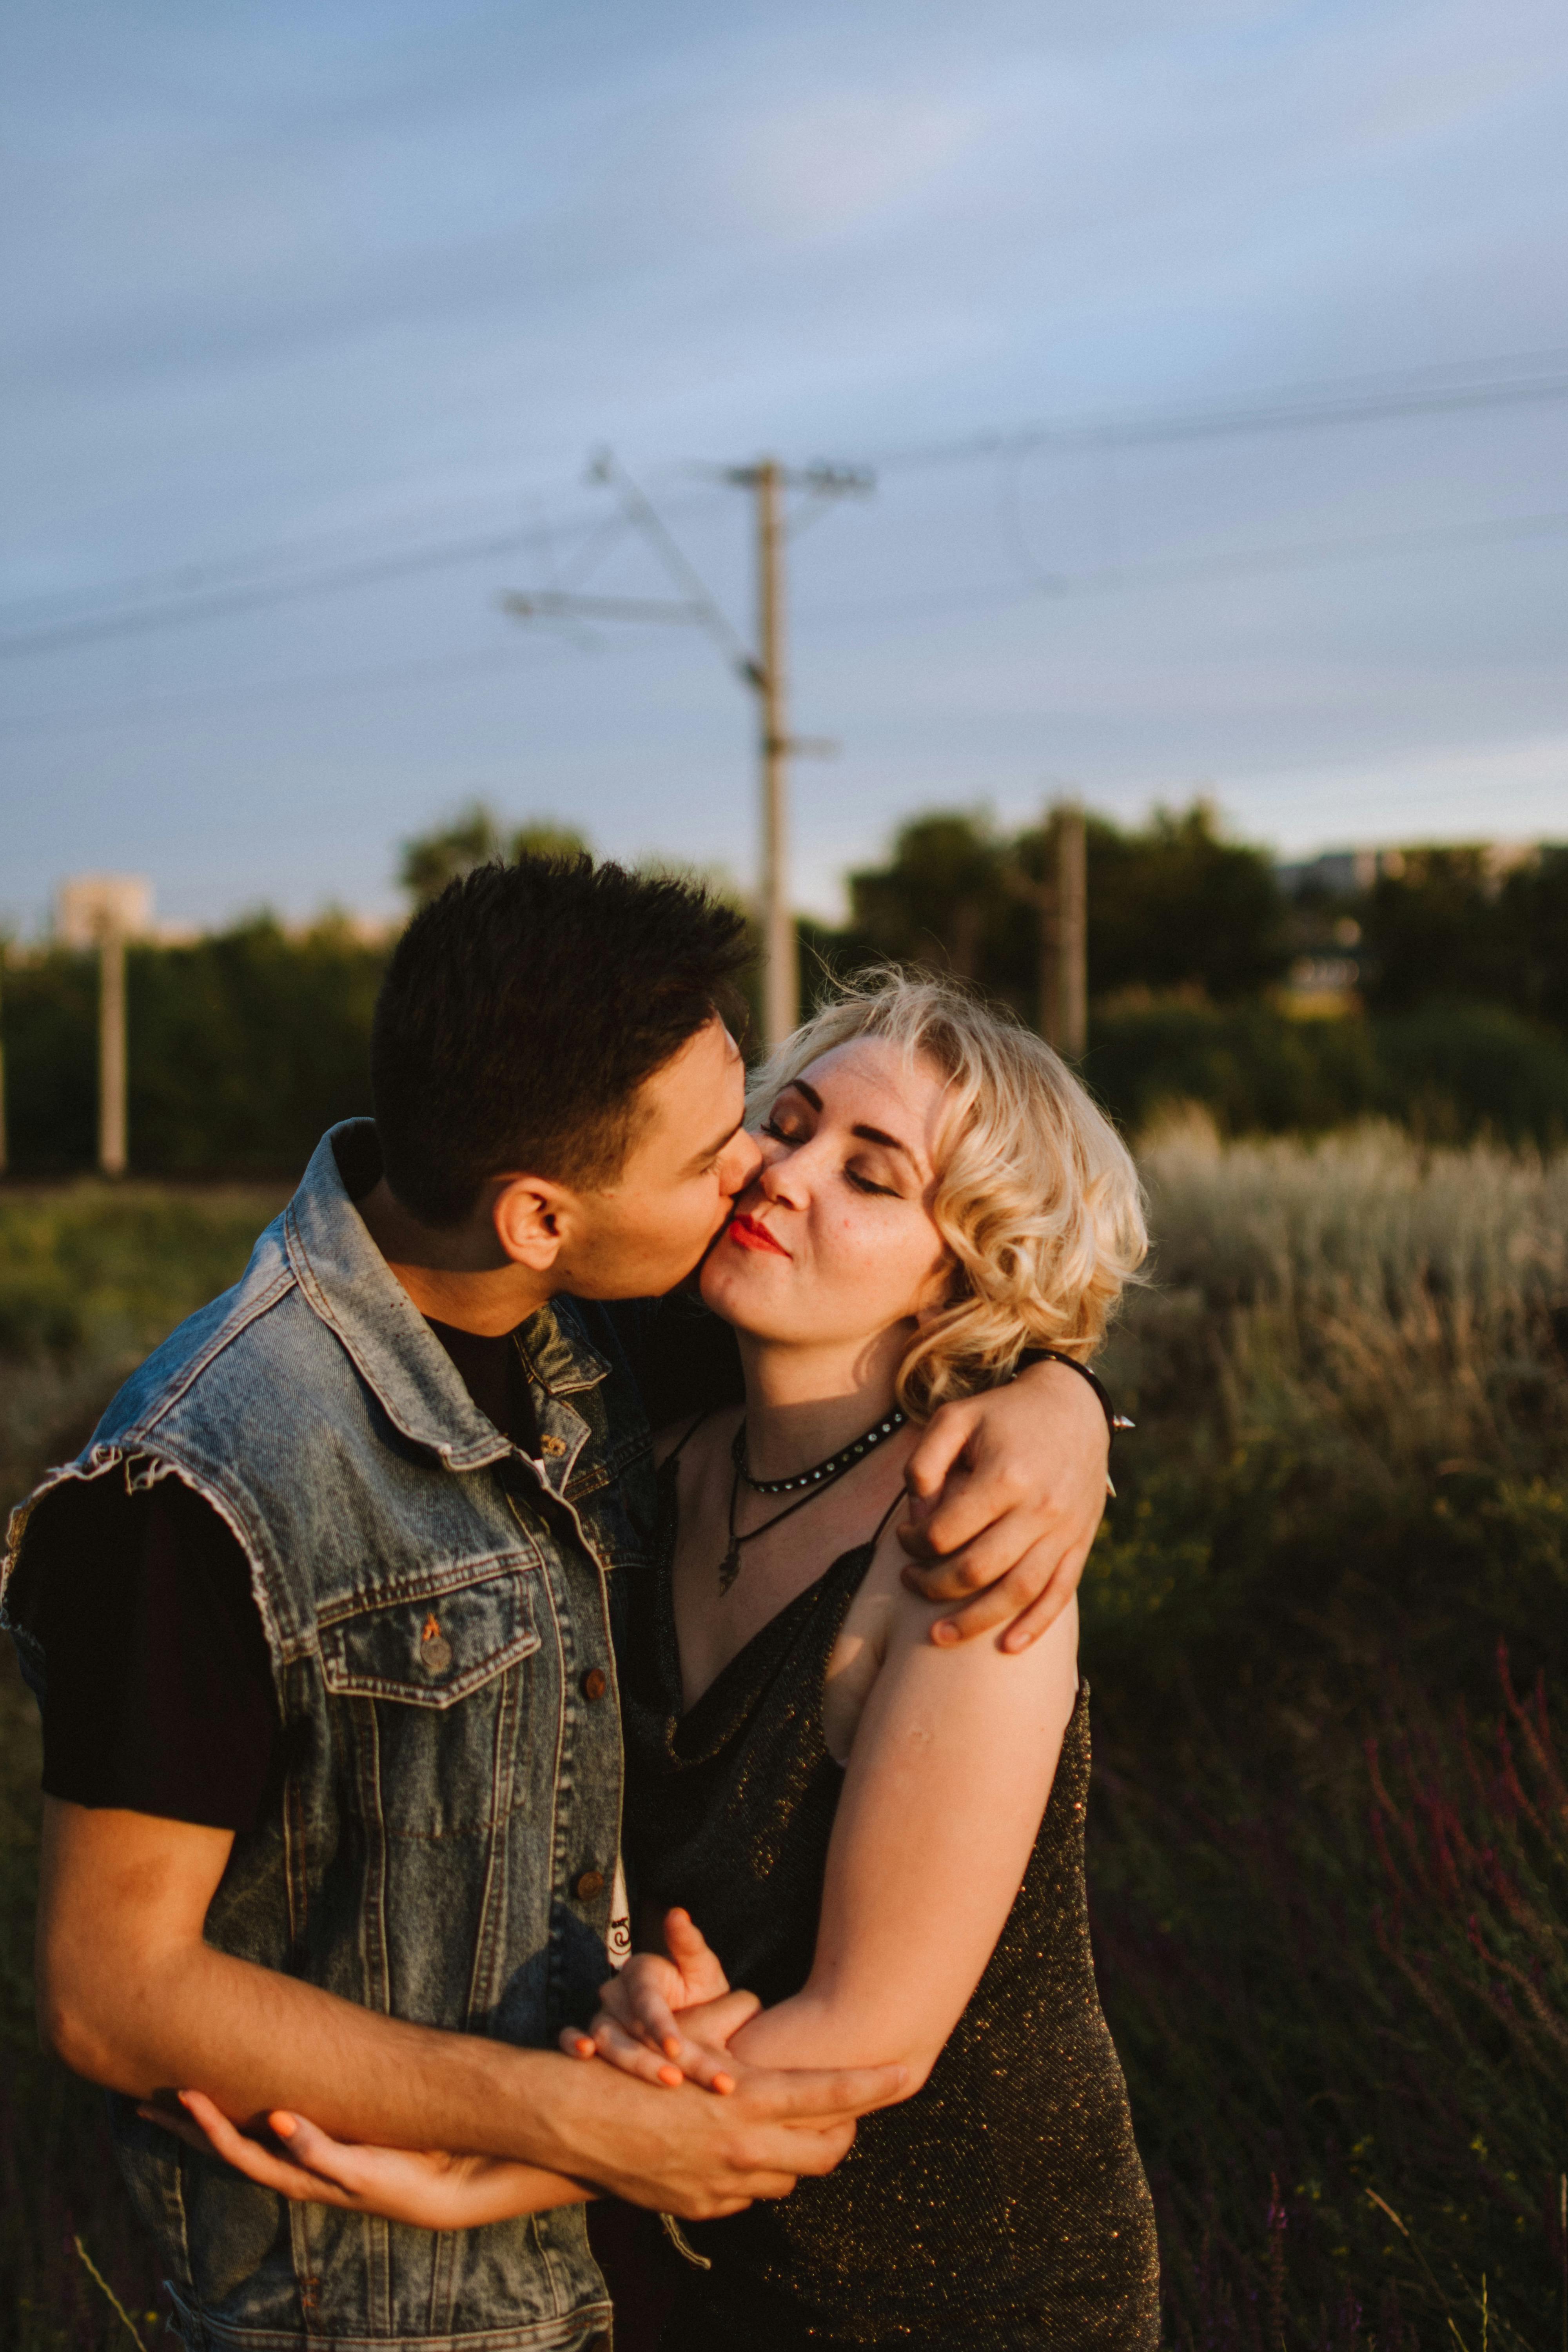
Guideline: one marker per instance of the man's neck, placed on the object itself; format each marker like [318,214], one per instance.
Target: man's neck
[803,1404]
[462,1277]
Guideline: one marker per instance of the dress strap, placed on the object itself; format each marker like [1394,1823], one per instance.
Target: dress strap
[679,1448]
[876,1534]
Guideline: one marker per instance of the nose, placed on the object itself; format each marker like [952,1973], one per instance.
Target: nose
[741,1162]
[782,1176]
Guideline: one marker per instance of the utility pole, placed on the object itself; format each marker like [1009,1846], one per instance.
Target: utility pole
[102,911]
[1072,932]
[764,671]
[781,979]
[111,1056]
[1060,899]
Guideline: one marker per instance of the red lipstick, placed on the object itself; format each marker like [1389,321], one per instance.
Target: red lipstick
[747,1234]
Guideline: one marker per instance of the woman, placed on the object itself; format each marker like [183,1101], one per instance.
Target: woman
[880,1838]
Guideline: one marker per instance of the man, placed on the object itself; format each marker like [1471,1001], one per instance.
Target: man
[318,1622]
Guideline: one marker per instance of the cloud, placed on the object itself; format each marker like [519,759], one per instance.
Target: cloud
[837,161]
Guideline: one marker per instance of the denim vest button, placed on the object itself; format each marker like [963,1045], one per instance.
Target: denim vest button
[435,1650]
[588,1886]
[553,1445]
[595,1683]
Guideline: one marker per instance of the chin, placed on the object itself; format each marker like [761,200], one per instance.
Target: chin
[728,1286]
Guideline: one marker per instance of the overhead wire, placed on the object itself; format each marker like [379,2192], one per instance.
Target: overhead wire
[1541,376]
[1238,563]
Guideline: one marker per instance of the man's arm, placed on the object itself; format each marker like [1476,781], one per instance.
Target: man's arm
[132,1996]
[1009,1490]
[1013,1482]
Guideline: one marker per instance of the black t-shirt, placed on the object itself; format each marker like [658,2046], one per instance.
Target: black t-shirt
[160,1691]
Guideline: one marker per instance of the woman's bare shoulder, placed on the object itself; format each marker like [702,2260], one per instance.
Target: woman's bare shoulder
[887,1620]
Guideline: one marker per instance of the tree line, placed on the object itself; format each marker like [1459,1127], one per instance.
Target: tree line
[244,1046]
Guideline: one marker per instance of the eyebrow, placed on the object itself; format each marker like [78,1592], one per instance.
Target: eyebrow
[876,1135]
[866,1134]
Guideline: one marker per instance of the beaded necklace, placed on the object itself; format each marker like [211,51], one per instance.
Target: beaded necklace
[824,1470]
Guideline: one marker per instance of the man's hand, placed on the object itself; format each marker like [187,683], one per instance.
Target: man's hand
[132,1995]
[1008,1490]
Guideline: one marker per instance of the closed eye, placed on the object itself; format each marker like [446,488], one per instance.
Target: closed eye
[779,1134]
[864,1184]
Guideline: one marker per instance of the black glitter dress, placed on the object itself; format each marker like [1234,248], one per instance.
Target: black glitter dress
[1003,2206]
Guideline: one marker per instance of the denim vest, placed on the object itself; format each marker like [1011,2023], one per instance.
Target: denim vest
[436,1608]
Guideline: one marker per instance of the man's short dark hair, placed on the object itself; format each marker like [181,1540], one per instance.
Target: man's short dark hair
[521,1012]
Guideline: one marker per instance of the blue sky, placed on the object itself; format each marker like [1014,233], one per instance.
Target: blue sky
[301,288]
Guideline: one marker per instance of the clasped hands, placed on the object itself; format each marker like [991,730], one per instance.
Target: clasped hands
[637,2031]
[668,2017]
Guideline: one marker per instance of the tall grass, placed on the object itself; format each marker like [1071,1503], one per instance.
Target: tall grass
[1331,1855]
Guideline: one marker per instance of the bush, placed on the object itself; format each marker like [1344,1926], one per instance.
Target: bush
[1450,1068]
[1448,1071]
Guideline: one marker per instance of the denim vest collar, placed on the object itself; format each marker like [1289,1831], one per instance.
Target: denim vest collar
[356,1293]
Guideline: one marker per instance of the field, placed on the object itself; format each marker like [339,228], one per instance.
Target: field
[1325,1631]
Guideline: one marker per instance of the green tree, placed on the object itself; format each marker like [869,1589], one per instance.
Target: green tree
[1174,906]
[476,836]
[1442,927]
[1171,905]
[940,900]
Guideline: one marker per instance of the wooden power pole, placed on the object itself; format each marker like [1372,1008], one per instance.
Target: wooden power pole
[111,1055]
[1072,933]
[1060,898]
[763,670]
[102,911]
[780,984]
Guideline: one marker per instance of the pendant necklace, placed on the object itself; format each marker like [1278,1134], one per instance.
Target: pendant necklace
[813,1481]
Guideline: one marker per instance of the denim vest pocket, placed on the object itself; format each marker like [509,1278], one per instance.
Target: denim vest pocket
[436,1648]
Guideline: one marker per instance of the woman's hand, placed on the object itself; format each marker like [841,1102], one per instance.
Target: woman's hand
[637,2030]
[430,2188]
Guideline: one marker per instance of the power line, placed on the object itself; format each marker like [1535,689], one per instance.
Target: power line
[368,571]
[190,578]
[367,574]
[548,605]
[1470,386]
[1308,407]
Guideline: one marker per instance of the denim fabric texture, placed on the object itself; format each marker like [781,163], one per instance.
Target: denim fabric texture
[433,1600]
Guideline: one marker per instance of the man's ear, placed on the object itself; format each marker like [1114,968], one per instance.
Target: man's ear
[531,1216]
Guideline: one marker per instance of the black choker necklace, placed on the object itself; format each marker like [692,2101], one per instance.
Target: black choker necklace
[835,1462]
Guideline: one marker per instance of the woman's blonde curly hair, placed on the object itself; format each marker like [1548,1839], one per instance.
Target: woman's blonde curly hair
[1036,1198]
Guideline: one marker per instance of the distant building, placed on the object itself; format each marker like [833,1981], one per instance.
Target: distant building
[1338,873]
[89,907]
[1348,872]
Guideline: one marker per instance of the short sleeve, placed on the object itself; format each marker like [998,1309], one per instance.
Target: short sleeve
[158,1687]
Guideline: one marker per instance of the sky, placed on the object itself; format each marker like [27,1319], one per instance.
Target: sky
[317,310]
